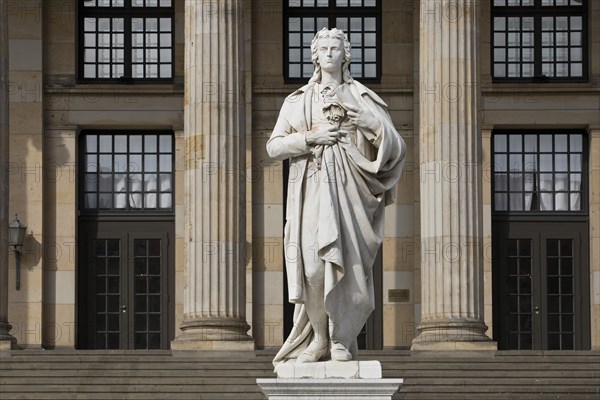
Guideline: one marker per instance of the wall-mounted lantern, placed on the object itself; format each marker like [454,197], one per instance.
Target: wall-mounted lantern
[16,236]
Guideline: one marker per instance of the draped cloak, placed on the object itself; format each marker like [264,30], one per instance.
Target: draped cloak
[361,176]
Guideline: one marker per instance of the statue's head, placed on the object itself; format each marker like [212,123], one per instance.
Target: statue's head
[333,33]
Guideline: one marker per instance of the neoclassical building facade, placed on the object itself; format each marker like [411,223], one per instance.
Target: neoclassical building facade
[133,148]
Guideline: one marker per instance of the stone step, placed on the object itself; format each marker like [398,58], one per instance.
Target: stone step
[493,367]
[146,387]
[211,381]
[495,396]
[141,371]
[174,361]
[391,367]
[497,388]
[220,395]
[133,380]
[108,373]
[592,358]
[497,381]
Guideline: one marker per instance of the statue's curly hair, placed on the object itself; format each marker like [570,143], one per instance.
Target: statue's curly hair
[333,33]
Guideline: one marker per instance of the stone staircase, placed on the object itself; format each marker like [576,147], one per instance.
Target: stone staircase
[60,374]
[132,375]
[515,375]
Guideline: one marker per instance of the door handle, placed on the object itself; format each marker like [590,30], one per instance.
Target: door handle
[123,309]
[537,310]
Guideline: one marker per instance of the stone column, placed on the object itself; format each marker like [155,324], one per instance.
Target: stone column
[6,340]
[451,173]
[215,131]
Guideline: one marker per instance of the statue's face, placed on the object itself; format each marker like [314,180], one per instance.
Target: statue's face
[330,54]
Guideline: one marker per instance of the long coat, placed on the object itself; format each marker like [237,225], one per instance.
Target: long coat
[361,178]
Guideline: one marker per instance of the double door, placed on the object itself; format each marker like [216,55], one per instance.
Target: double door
[124,285]
[541,289]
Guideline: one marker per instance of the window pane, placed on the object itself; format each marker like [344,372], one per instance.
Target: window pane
[105,54]
[516,202]
[576,142]
[500,182]
[563,55]
[560,162]
[500,202]
[165,163]
[545,143]
[361,30]
[515,143]
[166,200]
[499,55]
[499,70]
[515,162]
[537,172]
[90,182]
[165,183]
[105,163]
[91,163]
[546,162]
[125,177]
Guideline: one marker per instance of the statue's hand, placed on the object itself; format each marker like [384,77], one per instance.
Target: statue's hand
[362,118]
[327,135]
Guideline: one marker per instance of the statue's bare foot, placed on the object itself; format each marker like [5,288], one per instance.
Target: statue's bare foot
[316,350]
[339,352]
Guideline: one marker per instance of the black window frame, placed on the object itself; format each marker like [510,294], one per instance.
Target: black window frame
[126,12]
[584,192]
[332,12]
[126,211]
[537,11]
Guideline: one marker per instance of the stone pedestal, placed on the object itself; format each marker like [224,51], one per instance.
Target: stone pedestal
[332,380]
[215,196]
[451,176]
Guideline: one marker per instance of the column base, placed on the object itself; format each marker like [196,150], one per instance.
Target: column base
[453,335]
[450,346]
[7,341]
[6,345]
[214,334]
[333,380]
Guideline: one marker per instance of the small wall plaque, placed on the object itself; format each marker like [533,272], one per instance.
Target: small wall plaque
[398,295]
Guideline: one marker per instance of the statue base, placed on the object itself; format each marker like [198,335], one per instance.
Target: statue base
[333,380]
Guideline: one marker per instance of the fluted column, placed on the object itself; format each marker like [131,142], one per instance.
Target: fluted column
[215,292]
[6,340]
[451,171]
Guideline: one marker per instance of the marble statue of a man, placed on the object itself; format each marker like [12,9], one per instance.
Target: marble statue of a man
[345,160]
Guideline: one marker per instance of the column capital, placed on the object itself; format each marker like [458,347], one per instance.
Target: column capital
[594,130]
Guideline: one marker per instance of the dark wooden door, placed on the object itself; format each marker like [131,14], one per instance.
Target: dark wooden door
[124,283]
[541,271]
